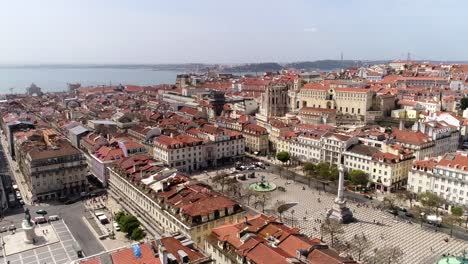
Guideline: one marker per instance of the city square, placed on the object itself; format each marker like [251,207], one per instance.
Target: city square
[419,245]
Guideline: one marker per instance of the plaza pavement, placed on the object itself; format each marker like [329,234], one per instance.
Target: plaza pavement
[420,245]
[60,252]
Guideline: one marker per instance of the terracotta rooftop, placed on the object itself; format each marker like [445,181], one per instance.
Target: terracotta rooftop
[264,232]
[458,161]
[410,137]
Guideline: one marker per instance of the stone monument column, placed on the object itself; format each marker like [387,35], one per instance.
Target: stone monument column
[340,211]
[30,236]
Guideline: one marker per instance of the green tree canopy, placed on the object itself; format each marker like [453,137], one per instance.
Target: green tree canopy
[457,211]
[308,167]
[283,156]
[431,200]
[358,177]
[118,216]
[323,170]
[137,234]
[128,224]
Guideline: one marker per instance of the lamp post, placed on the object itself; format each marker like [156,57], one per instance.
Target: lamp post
[321,232]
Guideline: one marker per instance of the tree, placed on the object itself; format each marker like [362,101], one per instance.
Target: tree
[261,200]
[283,156]
[389,255]
[457,211]
[464,103]
[128,224]
[118,216]
[324,172]
[431,201]
[332,227]
[406,196]
[248,194]
[334,173]
[234,187]
[389,201]
[360,243]
[137,234]
[280,208]
[221,179]
[358,177]
[309,171]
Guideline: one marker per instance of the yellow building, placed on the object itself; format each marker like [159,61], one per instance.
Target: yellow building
[346,101]
[256,139]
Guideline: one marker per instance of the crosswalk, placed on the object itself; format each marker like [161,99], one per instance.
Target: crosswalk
[419,245]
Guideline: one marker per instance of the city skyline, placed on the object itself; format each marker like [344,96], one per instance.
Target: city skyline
[154,32]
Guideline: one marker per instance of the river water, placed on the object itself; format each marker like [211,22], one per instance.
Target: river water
[56,79]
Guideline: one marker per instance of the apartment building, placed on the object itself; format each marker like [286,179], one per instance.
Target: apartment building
[445,136]
[170,202]
[52,167]
[182,152]
[421,144]
[199,148]
[256,139]
[106,156]
[447,177]
[388,171]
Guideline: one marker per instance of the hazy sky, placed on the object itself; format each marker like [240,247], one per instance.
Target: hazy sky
[171,31]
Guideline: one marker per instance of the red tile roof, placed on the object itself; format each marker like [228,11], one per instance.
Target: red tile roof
[126,256]
[410,137]
[457,161]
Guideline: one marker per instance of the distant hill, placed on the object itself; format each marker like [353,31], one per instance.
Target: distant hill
[325,65]
[254,67]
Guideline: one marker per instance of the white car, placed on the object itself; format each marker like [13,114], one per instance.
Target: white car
[54,218]
[116,226]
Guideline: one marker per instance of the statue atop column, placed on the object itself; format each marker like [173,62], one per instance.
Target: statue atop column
[28,228]
[27,216]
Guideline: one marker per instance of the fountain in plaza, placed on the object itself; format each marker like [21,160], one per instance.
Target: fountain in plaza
[262,186]
[28,228]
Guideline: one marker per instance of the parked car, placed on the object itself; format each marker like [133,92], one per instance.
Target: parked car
[54,218]
[12,227]
[409,214]
[3,229]
[434,220]
[116,226]
[40,220]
